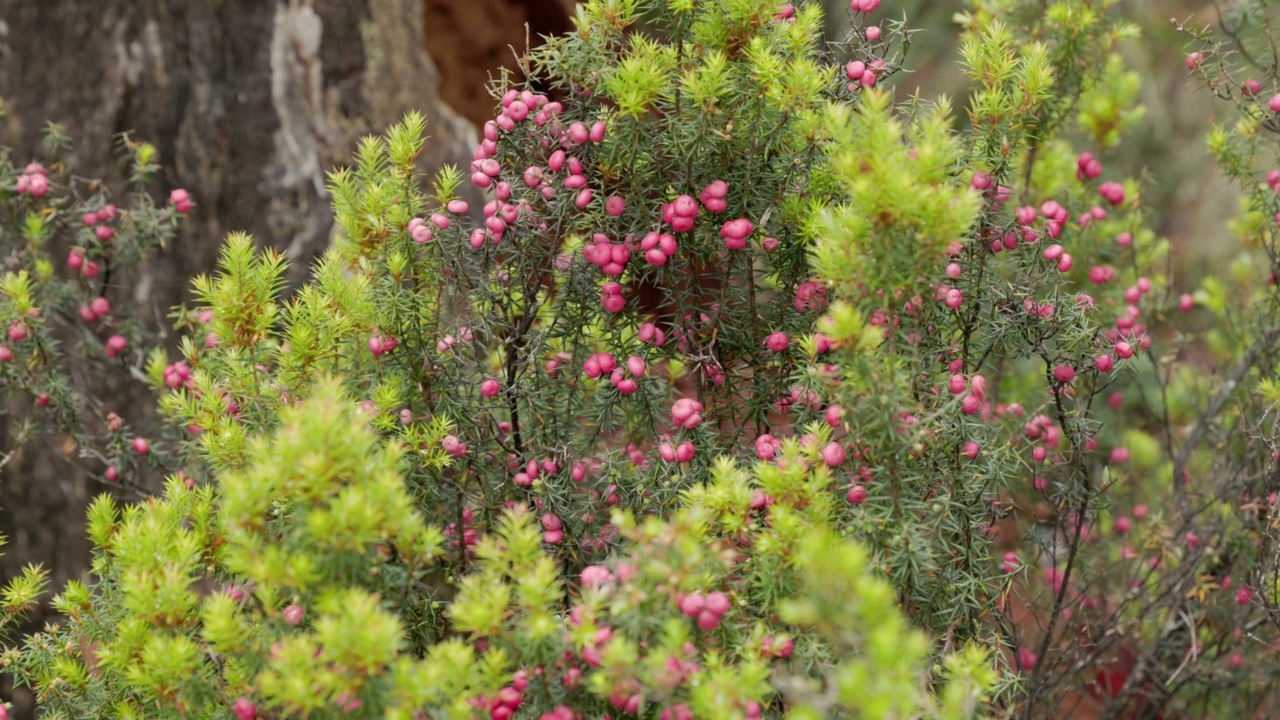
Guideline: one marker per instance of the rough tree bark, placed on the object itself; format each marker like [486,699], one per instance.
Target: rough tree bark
[250,102]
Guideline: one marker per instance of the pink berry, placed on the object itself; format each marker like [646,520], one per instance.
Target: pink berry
[777,342]
[692,604]
[856,495]
[5,354]
[1274,103]
[453,446]
[490,388]
[104,232]
[293,615]
[1250,87]
[115,345]
[636,365]
[1064,373]
[873,33]
[1104,363]
[1119,455]
[954,298]
[718,603]
[684,452]
[141,446]
[971,450]
[18,331]
[244,709]
[1186,302]
[708,621]
[100,306]
[833,454]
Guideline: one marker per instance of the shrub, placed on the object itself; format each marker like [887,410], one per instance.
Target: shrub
[752,393]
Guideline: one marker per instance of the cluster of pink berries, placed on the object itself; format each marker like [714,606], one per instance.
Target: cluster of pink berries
[708,609]
[178,374]
[181,200]
[658,248]
[859,73]
[98,221]
[649,332]
[811,295]
[469,535]
[32,181]
[452,445]
[1087,167]
[97,308]
[610,257]
[1113,192]
[419,231]
[380,345]
[503,706]
[686,413]
[533,469]
[974,390]
[611,297]
[553,529]
[682,453]
[88,268]
[736,232]
[635,368]
[680,213]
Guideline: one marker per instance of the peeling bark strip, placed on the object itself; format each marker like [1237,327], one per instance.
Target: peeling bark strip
[250,103]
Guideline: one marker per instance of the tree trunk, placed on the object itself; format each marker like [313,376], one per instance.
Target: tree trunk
[250,103]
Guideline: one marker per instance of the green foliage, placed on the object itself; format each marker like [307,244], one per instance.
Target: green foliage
[757,393]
